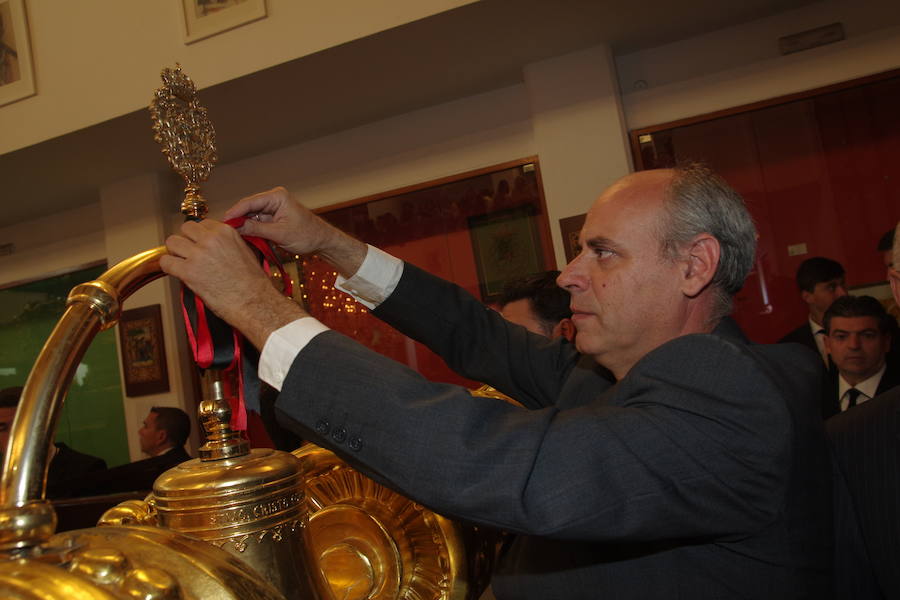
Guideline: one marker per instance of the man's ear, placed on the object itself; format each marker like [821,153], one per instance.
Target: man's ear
[702,260]
[807,297]
[161,436]
[565,328]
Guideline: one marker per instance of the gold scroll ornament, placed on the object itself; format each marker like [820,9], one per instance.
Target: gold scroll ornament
[187,136]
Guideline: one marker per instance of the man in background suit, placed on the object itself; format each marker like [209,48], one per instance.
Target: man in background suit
[702,473]
[162,437]
[67,465]
[866,446]
[821,282]
[858,337]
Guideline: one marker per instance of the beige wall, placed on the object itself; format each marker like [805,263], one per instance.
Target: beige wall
[567,111]
[740,65]
[81,82]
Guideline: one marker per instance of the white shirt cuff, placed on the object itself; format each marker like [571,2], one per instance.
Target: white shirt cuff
[375,280]
[283,346]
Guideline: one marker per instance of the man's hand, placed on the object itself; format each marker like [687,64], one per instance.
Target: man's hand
[212,259]
[274,216]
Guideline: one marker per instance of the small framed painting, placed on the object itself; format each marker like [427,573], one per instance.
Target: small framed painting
[143,351]
[203,18]
[506,245]
[570,228]
[16,74]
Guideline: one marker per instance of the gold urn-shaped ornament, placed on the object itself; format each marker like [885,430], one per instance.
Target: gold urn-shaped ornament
[250,503]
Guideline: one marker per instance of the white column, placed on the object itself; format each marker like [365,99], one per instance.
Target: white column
[579,131]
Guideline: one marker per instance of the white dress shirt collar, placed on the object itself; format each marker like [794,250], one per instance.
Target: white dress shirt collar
[868,387]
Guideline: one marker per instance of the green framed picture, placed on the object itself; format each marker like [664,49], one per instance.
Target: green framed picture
[507,246]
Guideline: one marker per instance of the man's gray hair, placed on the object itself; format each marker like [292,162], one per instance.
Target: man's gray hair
[699,201]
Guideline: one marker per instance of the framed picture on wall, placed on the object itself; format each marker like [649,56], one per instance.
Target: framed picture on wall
[203,18]
[570,228]
[506,246]
[143,351]
[16,74]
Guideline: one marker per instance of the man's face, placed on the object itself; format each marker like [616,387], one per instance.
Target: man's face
[150,437]
[823,295]
[626,297]
[521,313]
[7,414]
[857,347]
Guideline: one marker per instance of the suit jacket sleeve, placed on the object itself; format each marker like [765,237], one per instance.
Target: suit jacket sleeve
[674,451]
[476,341]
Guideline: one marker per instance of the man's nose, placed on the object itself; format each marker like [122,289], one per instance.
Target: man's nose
[572,277]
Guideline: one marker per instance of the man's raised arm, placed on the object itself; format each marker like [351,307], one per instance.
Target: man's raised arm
[274,216]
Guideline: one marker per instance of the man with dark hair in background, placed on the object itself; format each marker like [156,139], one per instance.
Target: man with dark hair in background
[67,465]
[539,305]
[858,337]
[164,432]
[821,282]
[701,473]
[866,446]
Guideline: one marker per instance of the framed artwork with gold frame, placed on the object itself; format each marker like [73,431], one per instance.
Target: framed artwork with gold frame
[16,74]
[204,18]
[143,351]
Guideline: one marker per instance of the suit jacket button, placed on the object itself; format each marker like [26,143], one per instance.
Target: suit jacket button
[356,443]
[339,435]
[323,427]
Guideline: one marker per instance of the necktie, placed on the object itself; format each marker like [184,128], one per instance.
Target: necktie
[852,395]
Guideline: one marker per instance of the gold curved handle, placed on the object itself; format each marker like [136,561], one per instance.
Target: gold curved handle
[26,518]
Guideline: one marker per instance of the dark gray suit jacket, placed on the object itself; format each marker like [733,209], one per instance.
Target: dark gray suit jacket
[702,474]
[865,441]
[802,335]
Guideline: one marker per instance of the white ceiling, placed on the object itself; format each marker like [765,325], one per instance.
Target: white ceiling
[473,49]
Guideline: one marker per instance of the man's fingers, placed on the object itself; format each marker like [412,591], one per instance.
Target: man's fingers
[178,246]
[266,203]
[192,230]
[171,265]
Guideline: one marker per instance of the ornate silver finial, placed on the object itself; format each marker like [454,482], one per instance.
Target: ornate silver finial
[188,139]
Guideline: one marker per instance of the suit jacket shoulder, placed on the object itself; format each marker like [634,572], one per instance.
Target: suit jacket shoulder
[802,335]
[890,379]
[69,466]
[135,476]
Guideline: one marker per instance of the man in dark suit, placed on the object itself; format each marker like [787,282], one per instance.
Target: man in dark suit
[67,465]
[821,282]
[858,337]
[866,446]
[162,436]
[701,473]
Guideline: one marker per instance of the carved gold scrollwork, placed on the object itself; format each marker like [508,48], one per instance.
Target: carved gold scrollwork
[187,136]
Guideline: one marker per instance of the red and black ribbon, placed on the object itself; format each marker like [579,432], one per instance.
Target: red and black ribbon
[215,344]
